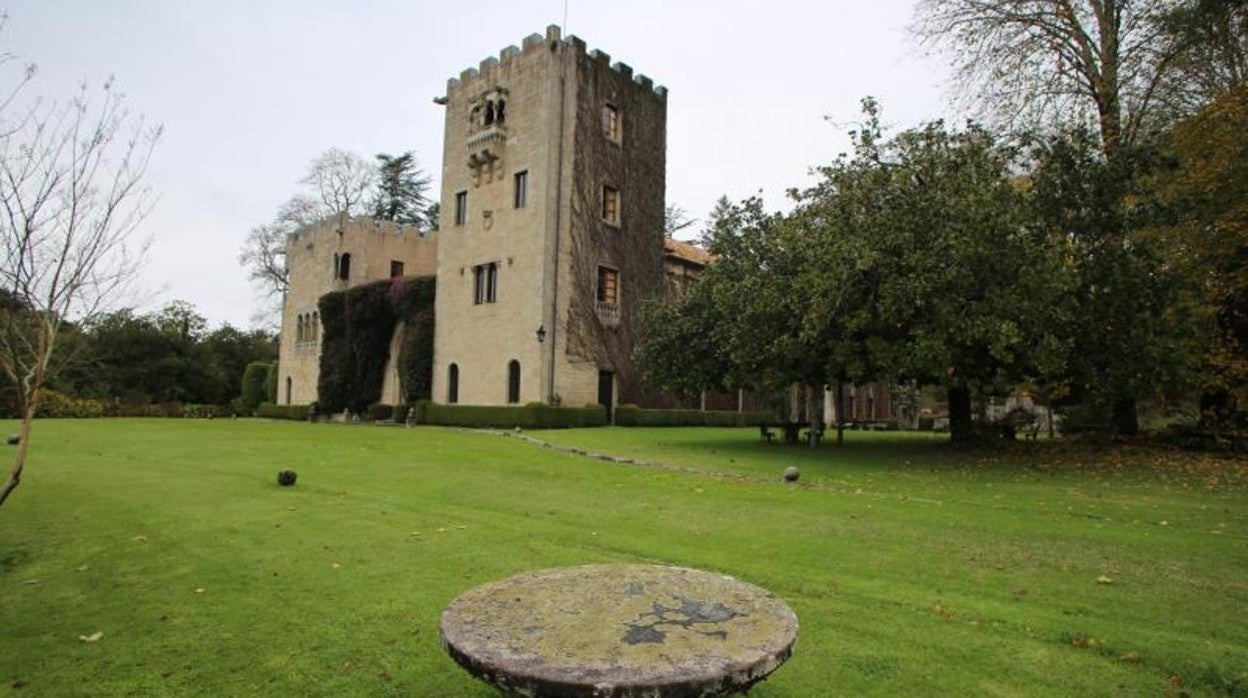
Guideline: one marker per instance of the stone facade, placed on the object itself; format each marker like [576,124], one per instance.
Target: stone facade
[520,274]
[314,262]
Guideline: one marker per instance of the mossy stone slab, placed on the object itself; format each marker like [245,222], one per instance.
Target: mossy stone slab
[619,630]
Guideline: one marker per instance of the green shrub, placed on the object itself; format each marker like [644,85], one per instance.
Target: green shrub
[530,416]
[380,413]
[271,411]
[400,413]
[270,383]
[254,378]
[632,416]
[57,405]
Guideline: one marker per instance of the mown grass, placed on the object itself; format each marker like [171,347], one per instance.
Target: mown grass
[914,568]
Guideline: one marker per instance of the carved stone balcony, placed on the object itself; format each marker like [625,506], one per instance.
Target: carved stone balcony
[485,153]
[608,313]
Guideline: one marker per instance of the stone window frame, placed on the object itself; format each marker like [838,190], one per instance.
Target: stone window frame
[452,383]
[461,207]
[396,268]
[610,209]
[520,189]
[485,283]
[612,273]
[613,123]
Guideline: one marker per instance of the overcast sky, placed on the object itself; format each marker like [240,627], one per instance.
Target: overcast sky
[250,91]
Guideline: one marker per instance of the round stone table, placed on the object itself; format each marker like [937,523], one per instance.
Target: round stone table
[619,630]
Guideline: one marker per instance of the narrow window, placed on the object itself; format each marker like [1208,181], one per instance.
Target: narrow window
[299,328]
[344,267]
[513,382]
[611,205]
[485,283]
[478,285]
[396,268]
[500,112]
[608,285]
[316,326]
[337,264]
[611,123]
[522,189]
[461,207]
[452,384]
[489,113]
[288,384]
[491,283]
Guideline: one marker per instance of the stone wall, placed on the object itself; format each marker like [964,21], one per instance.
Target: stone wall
[311,255]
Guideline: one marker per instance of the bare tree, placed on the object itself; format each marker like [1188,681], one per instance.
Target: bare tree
[1044,61]
[71,200]
[264,256]
[341,180]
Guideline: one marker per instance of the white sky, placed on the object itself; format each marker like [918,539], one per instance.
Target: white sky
[250,91]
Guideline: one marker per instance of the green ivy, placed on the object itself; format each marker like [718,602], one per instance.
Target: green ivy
[357,325]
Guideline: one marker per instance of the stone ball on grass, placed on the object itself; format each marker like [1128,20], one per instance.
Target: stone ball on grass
[286,478]
[791,474]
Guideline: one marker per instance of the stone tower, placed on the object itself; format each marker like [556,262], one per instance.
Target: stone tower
[551,229]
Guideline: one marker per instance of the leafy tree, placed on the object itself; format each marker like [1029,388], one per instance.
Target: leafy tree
[1129,329]
[402,190]
[1207,239]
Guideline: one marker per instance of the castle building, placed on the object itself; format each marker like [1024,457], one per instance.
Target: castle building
[551,236]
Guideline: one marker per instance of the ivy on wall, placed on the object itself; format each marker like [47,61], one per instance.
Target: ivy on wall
[357,326]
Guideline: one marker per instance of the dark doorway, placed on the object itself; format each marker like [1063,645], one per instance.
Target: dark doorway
[606,392]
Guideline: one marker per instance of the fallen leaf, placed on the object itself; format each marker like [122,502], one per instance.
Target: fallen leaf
[139,539]
[33,581]
[200,590]
[336,565]
[83,568]
[93,637]
[1104,580]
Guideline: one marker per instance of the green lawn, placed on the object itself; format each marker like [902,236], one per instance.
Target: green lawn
[914,569]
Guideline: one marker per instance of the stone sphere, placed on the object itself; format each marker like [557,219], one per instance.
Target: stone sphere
[14,439]
[791,474]
[286,478]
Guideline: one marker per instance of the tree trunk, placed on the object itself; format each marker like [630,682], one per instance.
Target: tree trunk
[812,415]
[961,428]
[1050,409]
[1125,420]
[19,462]
[840,414]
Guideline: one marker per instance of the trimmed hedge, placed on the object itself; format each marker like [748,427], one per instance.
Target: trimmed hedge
[380,413]
[271,411]
[531,416]
[631,416]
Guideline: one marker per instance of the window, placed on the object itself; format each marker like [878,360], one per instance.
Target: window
[299,328]
[608,285]
[485,283]
[461,207]
[452,384]
[396,268]
[611,123]
[316,326]
[513,382]
[288,385]
[344,267]
[522,189]
[611,205]
[333,274]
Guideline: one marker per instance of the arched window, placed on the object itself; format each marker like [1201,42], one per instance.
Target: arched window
[452,384]
[500,112]
[299,329]
[288,384]
[513,381]
[344,266]
[333,274]
[489,113]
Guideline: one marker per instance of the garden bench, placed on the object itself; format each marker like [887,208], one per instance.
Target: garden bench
[619,630]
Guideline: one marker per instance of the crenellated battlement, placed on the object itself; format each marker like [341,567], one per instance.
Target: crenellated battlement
[553,38]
